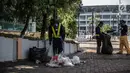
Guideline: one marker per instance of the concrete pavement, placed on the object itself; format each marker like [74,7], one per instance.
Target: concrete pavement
[94,64]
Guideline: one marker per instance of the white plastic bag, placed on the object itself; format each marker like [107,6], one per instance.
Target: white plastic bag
[60,59]
[53,63]
[75,60]
[67,62]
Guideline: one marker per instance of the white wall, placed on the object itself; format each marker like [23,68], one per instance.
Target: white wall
[7,49]
[66,48]
[49,48]
[26,44]
[40,44]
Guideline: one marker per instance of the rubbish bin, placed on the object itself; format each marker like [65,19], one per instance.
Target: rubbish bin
[107,46]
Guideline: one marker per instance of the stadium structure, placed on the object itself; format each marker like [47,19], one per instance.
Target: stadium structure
[108,11]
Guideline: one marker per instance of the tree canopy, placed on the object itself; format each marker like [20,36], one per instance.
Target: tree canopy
[41,11]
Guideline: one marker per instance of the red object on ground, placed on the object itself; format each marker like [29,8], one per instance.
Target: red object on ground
[55,58]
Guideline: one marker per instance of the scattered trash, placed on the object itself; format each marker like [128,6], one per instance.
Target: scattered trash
[54,62]
[68,62]
[53,65]
[76,60]
[60,60]
[37,61]
[83,62]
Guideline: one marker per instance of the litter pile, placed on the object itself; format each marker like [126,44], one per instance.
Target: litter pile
[60,60]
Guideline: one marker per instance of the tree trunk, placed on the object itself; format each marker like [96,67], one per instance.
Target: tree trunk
[44,24]
[25,27]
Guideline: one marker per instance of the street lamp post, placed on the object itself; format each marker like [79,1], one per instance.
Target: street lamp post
[119,15]
[92,21]
[113,22]
[80,7]
[55,11]
[53,4]
[78,23]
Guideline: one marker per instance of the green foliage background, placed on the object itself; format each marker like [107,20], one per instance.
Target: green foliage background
[21,11]
[105,27]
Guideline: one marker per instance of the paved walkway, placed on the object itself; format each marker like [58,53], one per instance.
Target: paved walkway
[94,64]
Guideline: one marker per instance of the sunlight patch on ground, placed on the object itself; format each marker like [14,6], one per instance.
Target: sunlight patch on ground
[94,51]
[90,50]
[25,67]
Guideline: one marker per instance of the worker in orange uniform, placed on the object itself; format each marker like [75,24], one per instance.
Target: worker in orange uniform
[123,38]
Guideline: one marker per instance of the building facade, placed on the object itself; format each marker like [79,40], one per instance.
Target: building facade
[109,14]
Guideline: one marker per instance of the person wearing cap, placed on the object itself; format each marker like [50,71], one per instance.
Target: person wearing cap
[98,31]
[56,36]
[123,38]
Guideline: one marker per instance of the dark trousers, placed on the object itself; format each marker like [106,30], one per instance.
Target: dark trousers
[99,46]
[57,46]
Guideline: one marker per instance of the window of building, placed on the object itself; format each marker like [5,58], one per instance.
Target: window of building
[113,16]
[106,16]
[82,17]
[83,22]
[128,16]
[123,16]
[114,22]
[99,16]
[89,16]
[114,27]
[89,22]
[106,22]
[128,23]
[106,10]
[82,28]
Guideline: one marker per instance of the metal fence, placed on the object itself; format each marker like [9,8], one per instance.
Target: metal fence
[11,26]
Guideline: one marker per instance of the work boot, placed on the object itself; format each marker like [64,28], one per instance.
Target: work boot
[119,52]
[98,51]
[127,54]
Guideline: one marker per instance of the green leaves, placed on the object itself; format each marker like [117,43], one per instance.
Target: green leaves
[96,19]
[21,10]
[106,27]
[7,9]
[68,14]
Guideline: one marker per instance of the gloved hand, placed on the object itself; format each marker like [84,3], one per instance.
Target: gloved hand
[61,39]
[120,28]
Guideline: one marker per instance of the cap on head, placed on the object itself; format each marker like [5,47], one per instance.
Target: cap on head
[122,21]
[100,23]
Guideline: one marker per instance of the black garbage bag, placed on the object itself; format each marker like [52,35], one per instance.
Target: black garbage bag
[107,46]
[40,54]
